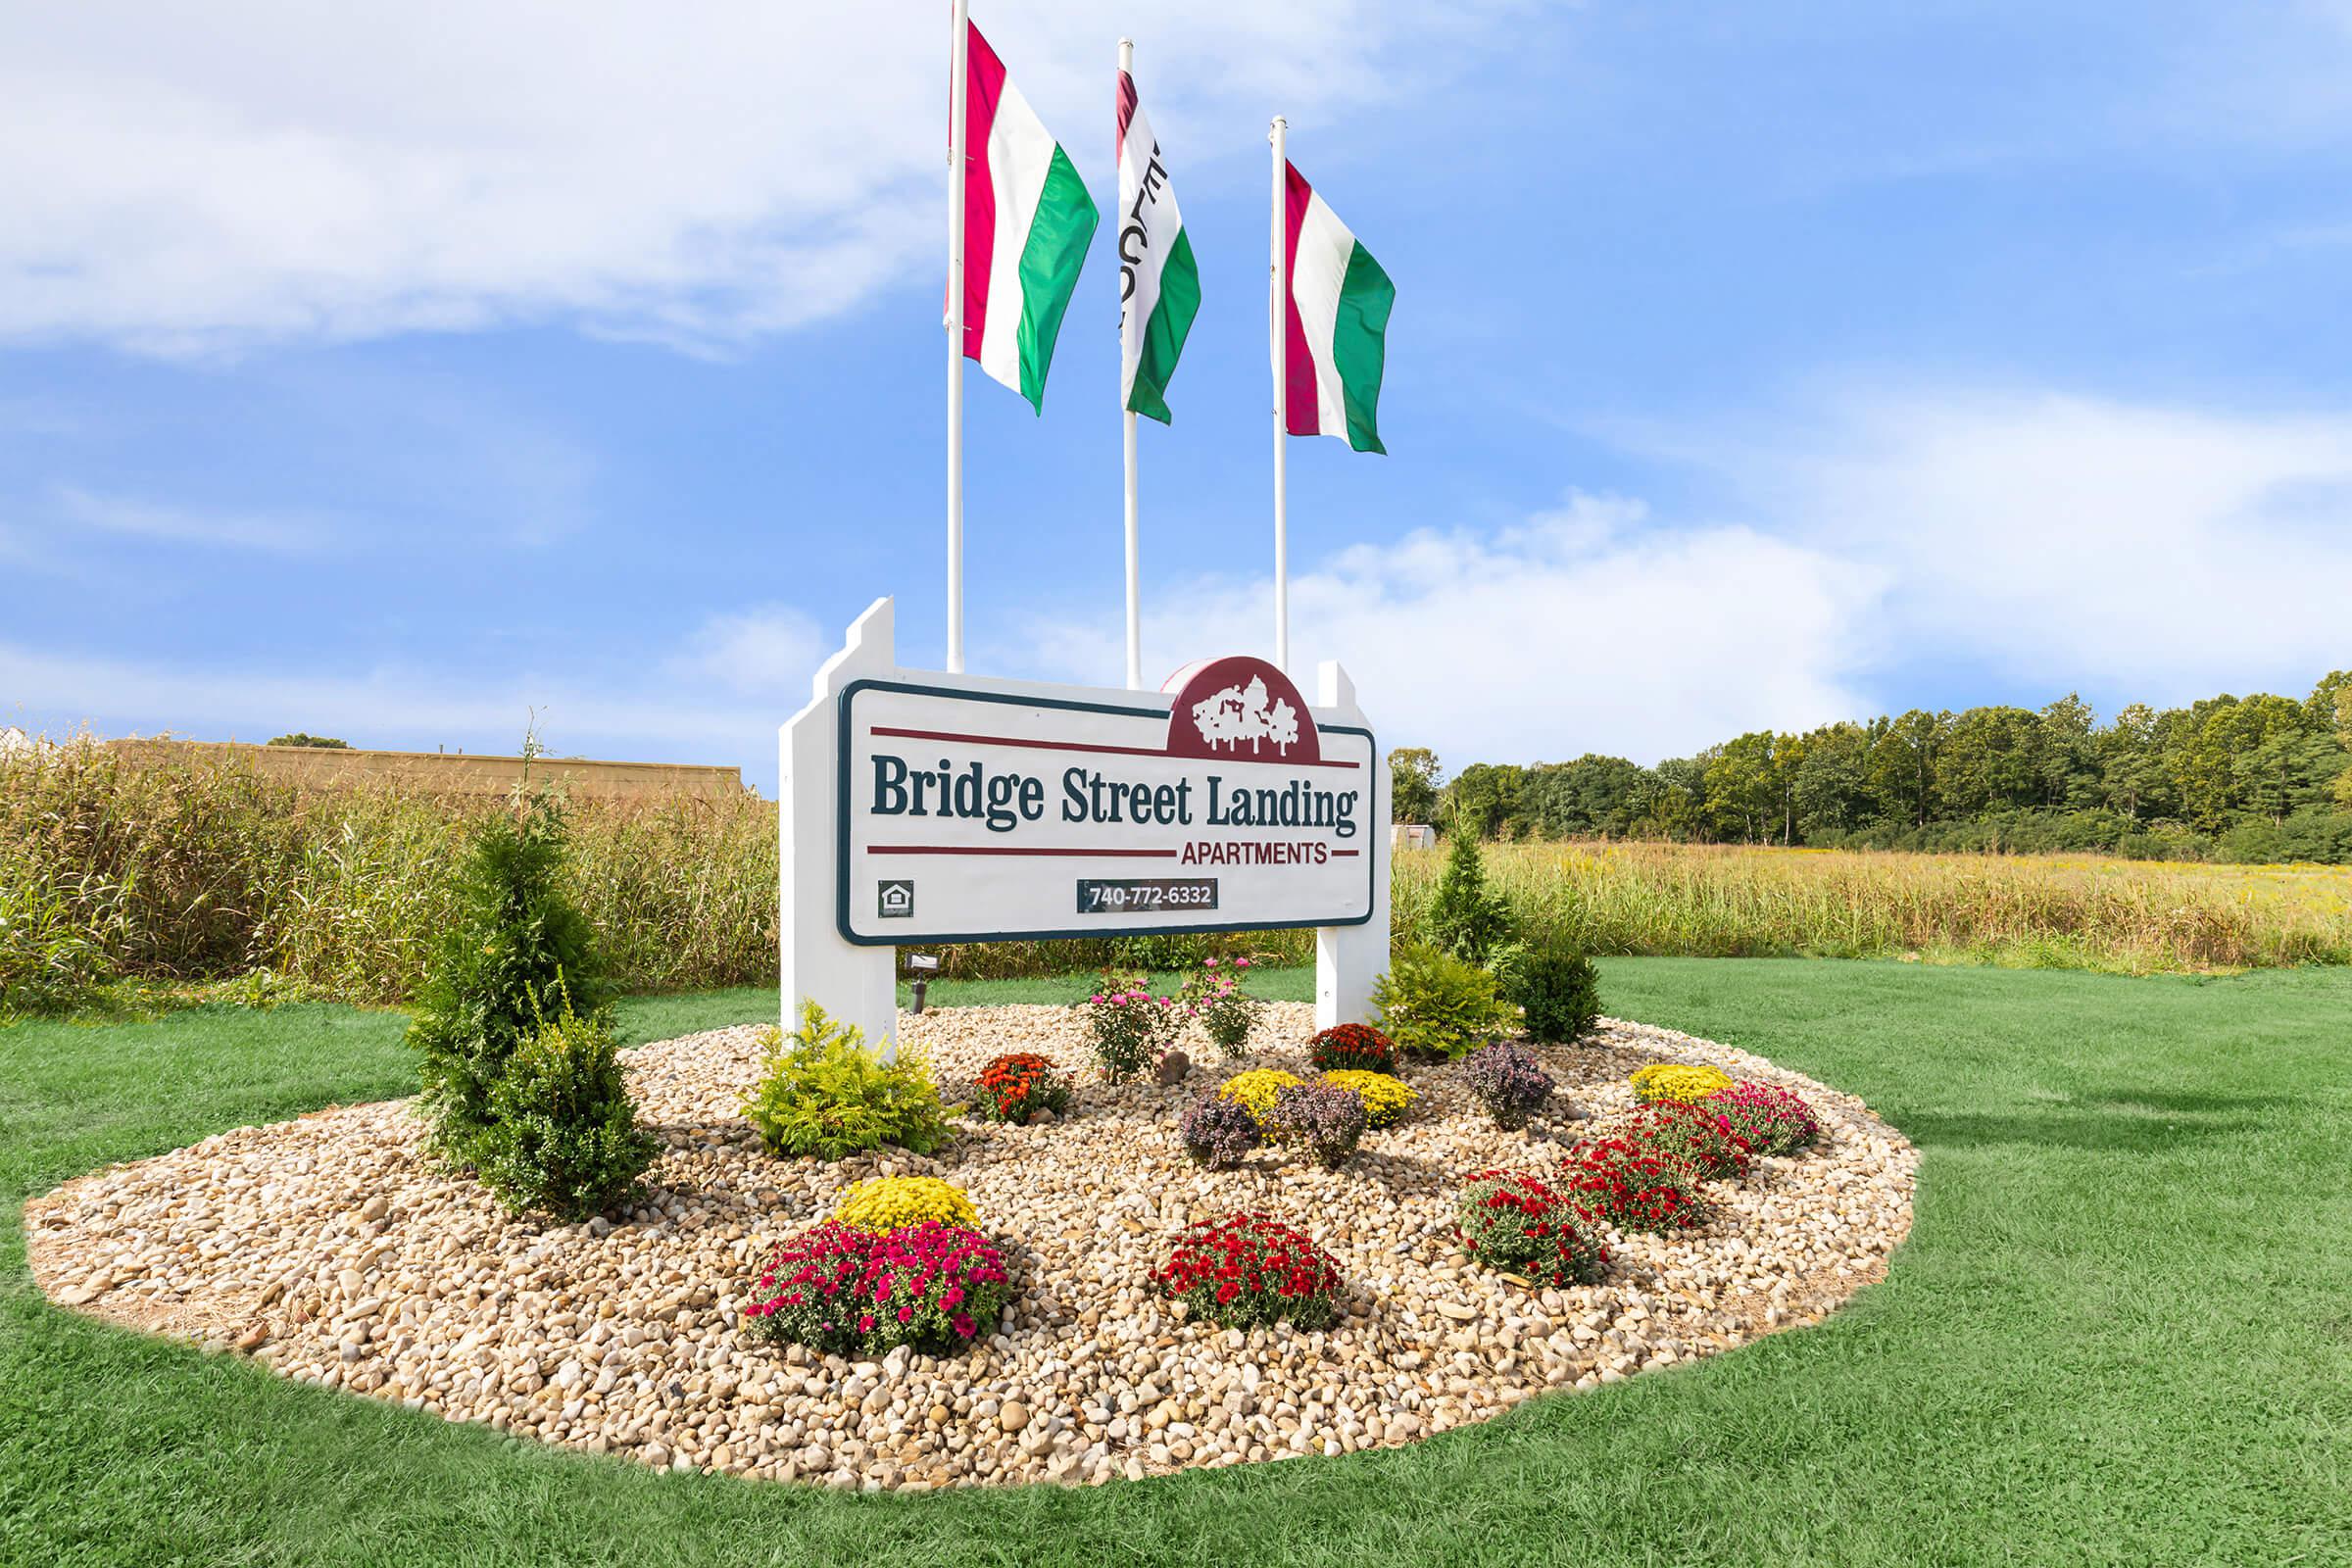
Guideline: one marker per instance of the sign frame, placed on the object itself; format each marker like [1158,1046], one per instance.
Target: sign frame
[856,981]
[843,873]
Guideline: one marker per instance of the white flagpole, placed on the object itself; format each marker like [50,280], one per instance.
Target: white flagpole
[957,56]
[1135,611]
[1277,325]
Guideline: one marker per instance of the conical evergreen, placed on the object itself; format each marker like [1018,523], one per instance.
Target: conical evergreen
[517,952]
[1467,918]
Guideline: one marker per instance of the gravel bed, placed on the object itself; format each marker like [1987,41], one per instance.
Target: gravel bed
[328,1248]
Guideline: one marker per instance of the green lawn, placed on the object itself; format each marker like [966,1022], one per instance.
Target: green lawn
[2122,1331]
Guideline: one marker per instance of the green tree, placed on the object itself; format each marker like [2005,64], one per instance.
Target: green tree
[2130,764]
[1742,798]
[2068,754]
[1668,802]
[2330,704]
[1830,786]
[1591,796]
[2287,771]
[325,743]
[1989,762]
[2214,785]
[1485,796]
[1903,760]
[1413,778]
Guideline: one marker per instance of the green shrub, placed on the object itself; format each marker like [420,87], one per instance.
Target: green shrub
[517,952]
[563,1136]
[1559,990]
[1467,918]
[1433,1004]
[822,1091]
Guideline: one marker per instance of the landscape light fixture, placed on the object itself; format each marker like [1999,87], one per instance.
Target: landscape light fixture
[923,965]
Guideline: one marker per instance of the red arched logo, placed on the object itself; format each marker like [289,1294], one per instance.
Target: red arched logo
[1239,708]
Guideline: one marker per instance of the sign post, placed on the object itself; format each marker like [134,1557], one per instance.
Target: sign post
[920,807]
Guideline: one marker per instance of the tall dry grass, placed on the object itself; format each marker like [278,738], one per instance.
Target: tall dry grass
[208,871]
[201,870]
[2071,912]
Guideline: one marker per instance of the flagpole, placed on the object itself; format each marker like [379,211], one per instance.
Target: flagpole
[957,70]
[1277,325]
[1134,612]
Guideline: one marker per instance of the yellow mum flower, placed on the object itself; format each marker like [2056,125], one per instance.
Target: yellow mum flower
[1678,1080]
[1386,1099]
[890,1202]
[1256,1088]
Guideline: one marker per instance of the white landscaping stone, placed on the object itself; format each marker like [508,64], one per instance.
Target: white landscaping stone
[624,1338]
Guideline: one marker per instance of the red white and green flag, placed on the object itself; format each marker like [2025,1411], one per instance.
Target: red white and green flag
[1159,285]
[1338,305]
[1027,221]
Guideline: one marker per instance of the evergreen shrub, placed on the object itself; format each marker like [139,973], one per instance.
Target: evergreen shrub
[1559,990]
[514,953]
[561,1134]
[1467,918]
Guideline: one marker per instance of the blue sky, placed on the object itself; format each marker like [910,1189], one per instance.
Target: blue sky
[390,373]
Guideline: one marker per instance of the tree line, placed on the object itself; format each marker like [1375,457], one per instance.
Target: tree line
[2237,778]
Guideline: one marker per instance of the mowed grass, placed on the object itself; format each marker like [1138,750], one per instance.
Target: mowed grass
[2121,1332]
[2020,910]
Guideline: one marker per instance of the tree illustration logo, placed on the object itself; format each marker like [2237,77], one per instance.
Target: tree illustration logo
[1242,707]
[1237,714]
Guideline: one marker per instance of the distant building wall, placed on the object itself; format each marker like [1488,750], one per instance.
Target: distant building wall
[1412,836]
[449,773]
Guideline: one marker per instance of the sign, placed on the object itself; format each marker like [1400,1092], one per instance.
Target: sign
[916,808]
[975,816]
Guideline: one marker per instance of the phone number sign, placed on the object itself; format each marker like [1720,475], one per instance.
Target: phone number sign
[967,815]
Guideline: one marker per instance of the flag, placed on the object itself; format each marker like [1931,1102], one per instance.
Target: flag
[1159,287]
[1027,221]
[1337,303]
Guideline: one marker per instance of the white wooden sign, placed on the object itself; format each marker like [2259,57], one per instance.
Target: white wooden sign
[919,808]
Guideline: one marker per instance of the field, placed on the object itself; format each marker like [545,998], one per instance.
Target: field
[2119,1333]
[202,872]
[2060,911]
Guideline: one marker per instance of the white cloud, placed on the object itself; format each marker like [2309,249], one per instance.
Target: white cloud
[771,650]
[2064,539]
[274,533]
[2049,541]
[180,179]
[1584,630]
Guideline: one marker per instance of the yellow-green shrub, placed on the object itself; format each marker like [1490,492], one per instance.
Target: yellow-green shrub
[825,1092]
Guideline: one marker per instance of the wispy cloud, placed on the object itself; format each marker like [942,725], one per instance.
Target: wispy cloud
[1589,628]
[272,532]
[770,650]
[2071,537]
